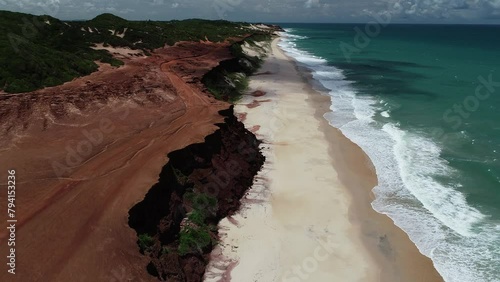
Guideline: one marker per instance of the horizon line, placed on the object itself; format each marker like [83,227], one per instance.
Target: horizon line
[276,22]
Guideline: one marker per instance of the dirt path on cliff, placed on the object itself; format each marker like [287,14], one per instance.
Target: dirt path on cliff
[87,151]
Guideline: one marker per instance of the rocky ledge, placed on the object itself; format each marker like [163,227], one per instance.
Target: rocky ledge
[177,221]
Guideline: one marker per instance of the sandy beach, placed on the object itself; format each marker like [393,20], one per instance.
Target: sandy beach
[308,215]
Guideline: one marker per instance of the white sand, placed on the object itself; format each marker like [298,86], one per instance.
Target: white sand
[297,203]
[249,50]
[120,52]
[121,35]
[259,50]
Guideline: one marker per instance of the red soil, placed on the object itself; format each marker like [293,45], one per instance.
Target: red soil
[256,103]
[87,151]
[258,93]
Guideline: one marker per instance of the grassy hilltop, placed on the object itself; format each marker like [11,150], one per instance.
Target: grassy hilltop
[41,51]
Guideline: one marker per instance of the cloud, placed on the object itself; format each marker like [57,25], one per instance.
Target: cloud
[157,3]
[495,4]
[438,9]
[311,3]
[268,10]
[89,6]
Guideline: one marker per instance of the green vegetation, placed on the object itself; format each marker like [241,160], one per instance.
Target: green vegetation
[201,201]
[40,51]
[194,239]
[229,80]
[145,242]
[195,236]
[197,217]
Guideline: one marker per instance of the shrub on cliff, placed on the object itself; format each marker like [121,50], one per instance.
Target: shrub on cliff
[197,217]
[229,80]
[240,81]
[228,86]
[200,201]
[194,240]
[195,235]
[145,242]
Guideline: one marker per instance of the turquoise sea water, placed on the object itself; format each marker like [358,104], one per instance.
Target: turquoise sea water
[423,101]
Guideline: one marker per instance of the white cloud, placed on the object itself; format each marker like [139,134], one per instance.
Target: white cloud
[311,3]
[268,10]
[494,4]
[437,9]
[158,2]
[89,6]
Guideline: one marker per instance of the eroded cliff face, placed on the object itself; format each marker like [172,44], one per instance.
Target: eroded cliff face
[201,184]
[88,150]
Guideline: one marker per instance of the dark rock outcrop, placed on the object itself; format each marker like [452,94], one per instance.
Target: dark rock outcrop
[222,168]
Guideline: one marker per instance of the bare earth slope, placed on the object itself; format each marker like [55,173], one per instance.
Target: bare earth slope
[87,151]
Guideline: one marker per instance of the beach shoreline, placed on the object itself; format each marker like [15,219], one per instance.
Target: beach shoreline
[390,246]
[303,151]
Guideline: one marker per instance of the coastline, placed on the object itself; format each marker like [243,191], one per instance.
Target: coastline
[390,246]
[310,223]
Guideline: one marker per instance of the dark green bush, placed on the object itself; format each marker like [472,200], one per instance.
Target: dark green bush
[145,242]
[197,217]
[194,240]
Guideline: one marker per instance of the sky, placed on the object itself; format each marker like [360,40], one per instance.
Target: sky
[359,11]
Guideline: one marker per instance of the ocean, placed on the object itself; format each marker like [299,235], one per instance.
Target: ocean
[423,101]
